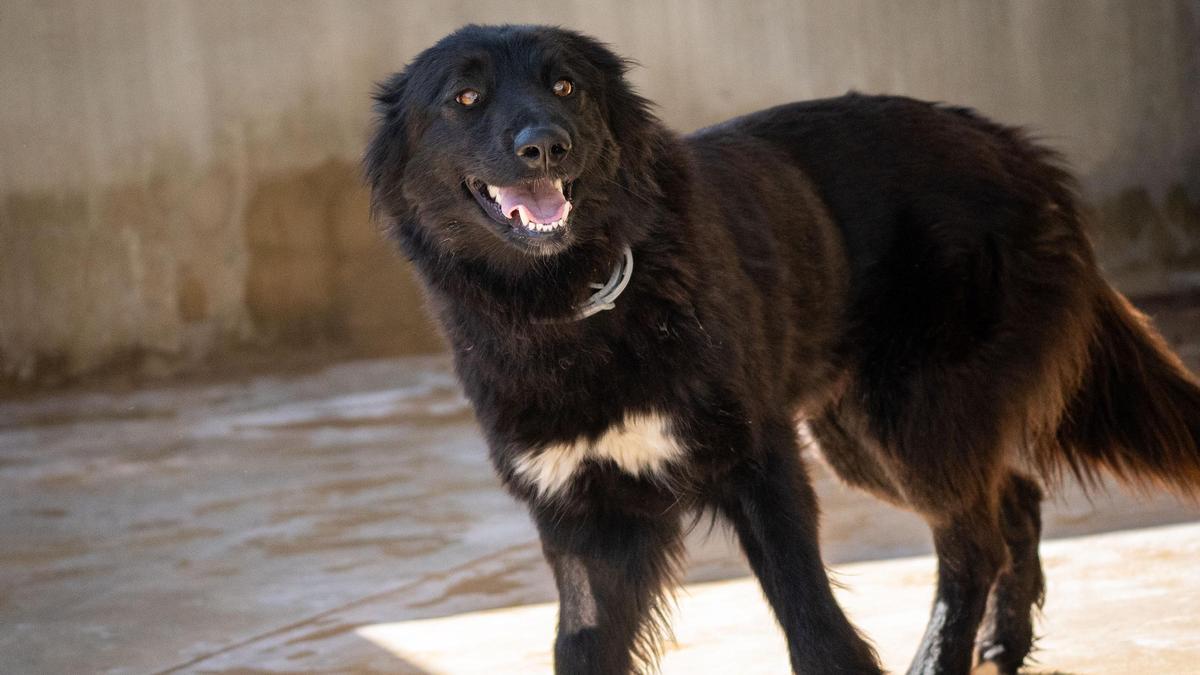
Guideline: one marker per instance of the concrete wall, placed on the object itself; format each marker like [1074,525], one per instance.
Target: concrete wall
[178,178]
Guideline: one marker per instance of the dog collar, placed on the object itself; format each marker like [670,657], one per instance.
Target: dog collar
[606,294]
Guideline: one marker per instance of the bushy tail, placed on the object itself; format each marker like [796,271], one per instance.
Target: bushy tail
[1137,410]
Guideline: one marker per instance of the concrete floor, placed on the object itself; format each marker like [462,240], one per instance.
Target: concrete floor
[346,520]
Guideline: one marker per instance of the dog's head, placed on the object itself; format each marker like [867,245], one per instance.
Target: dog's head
[503,139]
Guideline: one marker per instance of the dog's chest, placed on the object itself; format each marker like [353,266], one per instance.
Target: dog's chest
[641,445]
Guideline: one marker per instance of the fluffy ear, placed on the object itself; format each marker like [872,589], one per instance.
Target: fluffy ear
[387,153]
[628,115]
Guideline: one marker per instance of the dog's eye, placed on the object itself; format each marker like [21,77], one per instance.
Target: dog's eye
[563,88]
[467,97]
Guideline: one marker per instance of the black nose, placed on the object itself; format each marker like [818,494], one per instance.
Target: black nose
[541,147]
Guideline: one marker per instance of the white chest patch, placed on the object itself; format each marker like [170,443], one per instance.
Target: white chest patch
[640,446]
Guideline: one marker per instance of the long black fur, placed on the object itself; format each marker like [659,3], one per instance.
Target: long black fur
[911,279]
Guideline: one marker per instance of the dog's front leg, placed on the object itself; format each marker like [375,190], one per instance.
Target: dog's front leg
[773,509]
[613,572]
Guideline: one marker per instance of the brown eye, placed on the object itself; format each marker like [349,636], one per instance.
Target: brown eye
[563,88]
[467,97]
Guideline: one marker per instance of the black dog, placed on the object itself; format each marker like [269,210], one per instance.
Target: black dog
[911,279]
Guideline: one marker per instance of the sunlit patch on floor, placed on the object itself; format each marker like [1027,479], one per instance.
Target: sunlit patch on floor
[726,626]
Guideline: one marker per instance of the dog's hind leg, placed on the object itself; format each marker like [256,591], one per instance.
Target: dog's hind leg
[773,509]
[1007,633]
[1013,525]
[613,571]
[971,551]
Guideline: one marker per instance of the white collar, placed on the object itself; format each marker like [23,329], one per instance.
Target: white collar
[606,295]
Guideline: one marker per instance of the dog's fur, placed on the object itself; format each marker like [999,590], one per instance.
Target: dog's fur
[911,279]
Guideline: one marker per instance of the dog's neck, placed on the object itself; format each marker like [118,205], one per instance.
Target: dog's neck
[556,290]
[605,297]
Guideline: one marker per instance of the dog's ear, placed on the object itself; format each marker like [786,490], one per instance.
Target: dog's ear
[628,115]
[387,153]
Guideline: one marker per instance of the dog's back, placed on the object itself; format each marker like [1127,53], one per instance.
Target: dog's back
[973,289]
[979,338]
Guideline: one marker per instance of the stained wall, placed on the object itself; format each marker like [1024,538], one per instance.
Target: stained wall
[178,179]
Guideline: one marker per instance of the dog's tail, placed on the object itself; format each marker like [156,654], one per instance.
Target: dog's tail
[1136,412]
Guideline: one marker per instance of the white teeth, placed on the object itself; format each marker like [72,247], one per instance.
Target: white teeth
[545,227]
[524,214]
[558,184]
[493,192]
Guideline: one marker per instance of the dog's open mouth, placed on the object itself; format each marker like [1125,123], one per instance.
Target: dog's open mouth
[538,207]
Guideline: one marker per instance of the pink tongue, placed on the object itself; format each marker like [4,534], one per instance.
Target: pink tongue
[543,202]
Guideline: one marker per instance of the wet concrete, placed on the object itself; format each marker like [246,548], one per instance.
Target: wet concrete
[319,521]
